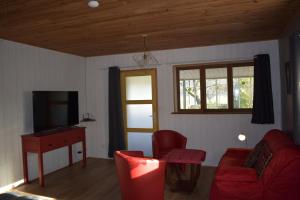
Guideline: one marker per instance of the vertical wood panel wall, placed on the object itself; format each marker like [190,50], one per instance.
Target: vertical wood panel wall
[213,133]
[23,69]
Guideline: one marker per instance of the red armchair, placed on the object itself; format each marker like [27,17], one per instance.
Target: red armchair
[279,180]
[165,140]
[139,177]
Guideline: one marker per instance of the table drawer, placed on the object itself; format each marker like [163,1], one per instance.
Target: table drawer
[48,145]
[55,141]
[76,138]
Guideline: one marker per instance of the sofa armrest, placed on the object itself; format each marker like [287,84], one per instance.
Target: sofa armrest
[236,174]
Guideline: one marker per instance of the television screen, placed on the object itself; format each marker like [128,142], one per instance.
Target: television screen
[54,109]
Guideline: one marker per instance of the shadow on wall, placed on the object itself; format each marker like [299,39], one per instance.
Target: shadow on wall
[27,112]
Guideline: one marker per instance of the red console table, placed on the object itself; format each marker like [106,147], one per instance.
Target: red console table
[51,141]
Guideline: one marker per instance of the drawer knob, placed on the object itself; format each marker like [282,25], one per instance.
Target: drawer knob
[50,145]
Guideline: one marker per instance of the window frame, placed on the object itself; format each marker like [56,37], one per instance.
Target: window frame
[202,68]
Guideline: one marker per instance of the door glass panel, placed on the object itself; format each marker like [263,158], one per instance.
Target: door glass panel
[140,142]
[139,116]
[216,88]
[190,97]
[138,88]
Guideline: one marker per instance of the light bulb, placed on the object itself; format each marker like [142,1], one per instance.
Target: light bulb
[242,137]
[93,3]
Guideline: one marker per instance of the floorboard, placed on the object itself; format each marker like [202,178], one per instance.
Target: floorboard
[99,181]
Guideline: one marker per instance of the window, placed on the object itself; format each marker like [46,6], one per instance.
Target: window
[214,88]
[190,89]
[242,87]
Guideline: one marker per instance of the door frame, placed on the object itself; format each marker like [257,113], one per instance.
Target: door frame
[154,101]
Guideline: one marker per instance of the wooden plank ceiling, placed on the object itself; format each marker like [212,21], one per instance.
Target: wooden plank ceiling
[117,26]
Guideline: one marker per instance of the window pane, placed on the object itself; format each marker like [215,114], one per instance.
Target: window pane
[243,86]
[138,88]
[139,116]
[216,88]
[190,89]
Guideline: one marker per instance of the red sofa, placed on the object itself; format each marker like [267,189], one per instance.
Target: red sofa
[280,179]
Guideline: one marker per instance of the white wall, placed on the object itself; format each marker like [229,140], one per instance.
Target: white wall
[23,69]
[213,133]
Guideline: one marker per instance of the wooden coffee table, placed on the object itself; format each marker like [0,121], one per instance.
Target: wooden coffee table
[183,169]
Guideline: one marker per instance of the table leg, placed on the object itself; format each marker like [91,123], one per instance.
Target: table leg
[198,168]
[193,178]
[83,153]
[25,166]
[41,169]
[171,175]
[187,184]
[175,178]
[70,155]
[179,171]
[195,173]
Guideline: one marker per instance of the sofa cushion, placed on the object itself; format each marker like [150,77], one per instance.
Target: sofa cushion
[240,153]
[277,140]
[230,161]
[283,174]
[234,157]
[253,155]
[236,174]
[263,159]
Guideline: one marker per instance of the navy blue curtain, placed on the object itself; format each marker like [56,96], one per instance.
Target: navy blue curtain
[262,112]
[116,130]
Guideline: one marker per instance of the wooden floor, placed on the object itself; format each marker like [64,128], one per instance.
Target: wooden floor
[99,181]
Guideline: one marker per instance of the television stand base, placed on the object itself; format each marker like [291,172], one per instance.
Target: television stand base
[48,142]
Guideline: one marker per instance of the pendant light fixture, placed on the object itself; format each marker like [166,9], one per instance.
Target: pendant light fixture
[146,59]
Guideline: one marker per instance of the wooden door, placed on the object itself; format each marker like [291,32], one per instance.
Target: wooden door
[139,101]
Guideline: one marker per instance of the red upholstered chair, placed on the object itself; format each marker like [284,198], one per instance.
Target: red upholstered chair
[164,141]
[139,177]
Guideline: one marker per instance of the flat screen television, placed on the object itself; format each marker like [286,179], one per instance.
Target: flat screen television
[54,109]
